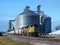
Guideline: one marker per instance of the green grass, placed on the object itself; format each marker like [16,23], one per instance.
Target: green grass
[4,40]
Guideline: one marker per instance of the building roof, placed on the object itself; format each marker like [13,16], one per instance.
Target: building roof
[27,11]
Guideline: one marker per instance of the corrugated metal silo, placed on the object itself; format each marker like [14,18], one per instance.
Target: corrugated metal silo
[28,17]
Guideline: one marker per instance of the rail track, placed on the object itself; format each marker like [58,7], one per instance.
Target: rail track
[47,41]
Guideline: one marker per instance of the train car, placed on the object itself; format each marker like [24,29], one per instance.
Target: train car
[30,31]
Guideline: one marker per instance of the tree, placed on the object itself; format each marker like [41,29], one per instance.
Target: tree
[58,27]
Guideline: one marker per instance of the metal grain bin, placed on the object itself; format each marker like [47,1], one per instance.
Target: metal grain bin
[28,17]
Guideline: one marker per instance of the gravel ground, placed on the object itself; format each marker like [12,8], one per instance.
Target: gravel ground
[33,40]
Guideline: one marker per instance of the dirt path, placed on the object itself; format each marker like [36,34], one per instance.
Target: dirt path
[33,40]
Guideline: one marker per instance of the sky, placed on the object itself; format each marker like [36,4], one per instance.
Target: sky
[9,9]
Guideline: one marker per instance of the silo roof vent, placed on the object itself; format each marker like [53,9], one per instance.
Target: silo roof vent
[38,9]
[27,8]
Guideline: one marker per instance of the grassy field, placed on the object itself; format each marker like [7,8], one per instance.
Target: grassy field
[4,40]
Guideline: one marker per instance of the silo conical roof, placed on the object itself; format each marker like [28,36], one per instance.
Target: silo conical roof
[27,11]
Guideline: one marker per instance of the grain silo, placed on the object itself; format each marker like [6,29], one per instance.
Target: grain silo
[26,18]
[29,20]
